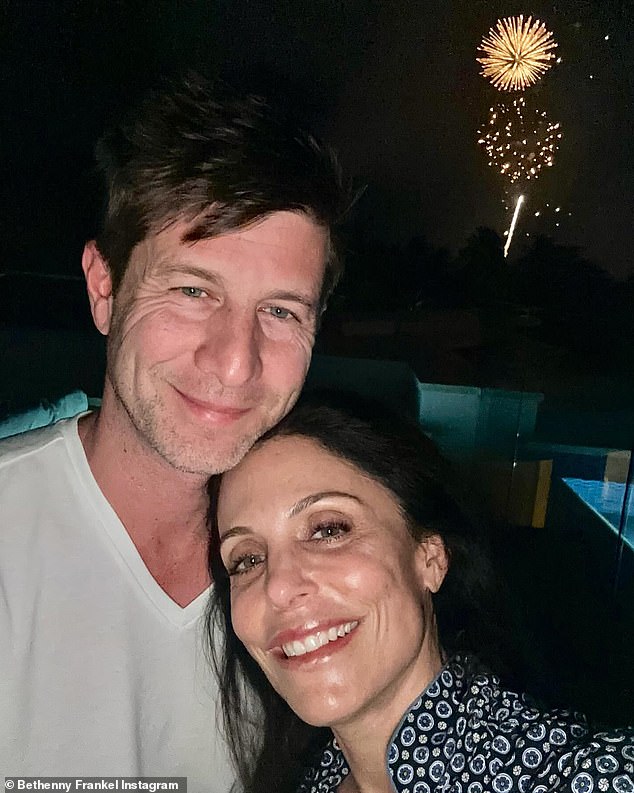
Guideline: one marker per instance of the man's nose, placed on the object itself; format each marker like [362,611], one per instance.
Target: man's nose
[231,347]
[288,580]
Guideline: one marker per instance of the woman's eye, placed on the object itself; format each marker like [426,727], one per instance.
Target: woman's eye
[245,563]
[192,291]
[330,530]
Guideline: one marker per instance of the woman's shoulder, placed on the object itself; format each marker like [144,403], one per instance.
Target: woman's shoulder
[492,707]
[601,761]
[468,732]
[557,747]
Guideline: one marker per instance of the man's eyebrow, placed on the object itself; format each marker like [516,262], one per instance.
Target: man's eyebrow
[168,267]
[294,297]
[308,501]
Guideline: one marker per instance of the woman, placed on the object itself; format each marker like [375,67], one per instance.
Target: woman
[347,586]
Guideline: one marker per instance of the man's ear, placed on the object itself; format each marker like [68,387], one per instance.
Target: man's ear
[99,285]
[432,562]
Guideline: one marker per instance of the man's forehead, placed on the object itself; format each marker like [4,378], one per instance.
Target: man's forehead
[275,228]
[283,237]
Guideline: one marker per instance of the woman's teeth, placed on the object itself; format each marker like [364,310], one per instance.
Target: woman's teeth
[316,640]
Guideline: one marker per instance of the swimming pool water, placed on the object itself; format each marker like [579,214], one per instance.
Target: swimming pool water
[607,498]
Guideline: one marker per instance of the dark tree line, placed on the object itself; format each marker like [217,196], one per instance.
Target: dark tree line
[572,302]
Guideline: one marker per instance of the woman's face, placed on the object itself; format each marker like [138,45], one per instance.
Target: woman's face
[330,593]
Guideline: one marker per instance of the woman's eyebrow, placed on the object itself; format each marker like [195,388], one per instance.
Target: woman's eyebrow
[235,531]
[300,506]
[308,501]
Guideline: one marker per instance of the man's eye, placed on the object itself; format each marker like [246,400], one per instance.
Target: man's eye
[330,530]
[192,291]
[245,563]
[279,312]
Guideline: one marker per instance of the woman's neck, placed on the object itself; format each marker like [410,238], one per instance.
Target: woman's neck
[364,739]
[368,772]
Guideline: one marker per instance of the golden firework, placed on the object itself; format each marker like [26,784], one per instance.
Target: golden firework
[516,53]
[519,141]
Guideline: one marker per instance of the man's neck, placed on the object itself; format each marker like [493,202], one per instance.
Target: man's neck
[163,510]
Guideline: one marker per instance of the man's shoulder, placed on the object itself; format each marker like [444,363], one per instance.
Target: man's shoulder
[37,476]
[45,413]
[20,447]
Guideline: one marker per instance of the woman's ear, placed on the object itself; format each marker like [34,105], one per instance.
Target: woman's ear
[432,562]
[99,285]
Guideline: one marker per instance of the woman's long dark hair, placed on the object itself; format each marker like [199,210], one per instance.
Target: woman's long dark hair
[270,745]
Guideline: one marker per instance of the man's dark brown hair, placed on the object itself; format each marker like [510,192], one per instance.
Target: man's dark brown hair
[193,153]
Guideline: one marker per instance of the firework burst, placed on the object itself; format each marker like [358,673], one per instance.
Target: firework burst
[519,142]
[516,53]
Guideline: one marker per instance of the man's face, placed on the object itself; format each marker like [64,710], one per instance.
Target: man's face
[209,343]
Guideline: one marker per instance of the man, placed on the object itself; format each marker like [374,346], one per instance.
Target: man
[213,264]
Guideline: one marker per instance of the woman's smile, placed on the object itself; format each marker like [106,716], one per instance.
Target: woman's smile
[315,641]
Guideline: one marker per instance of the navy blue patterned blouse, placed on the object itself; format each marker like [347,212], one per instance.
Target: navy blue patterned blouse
[466,734]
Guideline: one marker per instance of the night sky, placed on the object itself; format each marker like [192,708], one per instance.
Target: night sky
[393,85]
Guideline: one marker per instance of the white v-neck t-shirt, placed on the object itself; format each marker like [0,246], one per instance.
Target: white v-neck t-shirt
[101,672]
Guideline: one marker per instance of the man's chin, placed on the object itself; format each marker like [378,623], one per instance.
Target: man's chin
[206,460]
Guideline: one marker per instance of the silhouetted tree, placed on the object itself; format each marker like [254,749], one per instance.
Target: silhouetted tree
[481,272]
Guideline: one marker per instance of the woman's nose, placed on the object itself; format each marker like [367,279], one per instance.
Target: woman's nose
[289,580]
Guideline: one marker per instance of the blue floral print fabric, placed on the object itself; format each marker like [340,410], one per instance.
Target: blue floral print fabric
[466,734]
